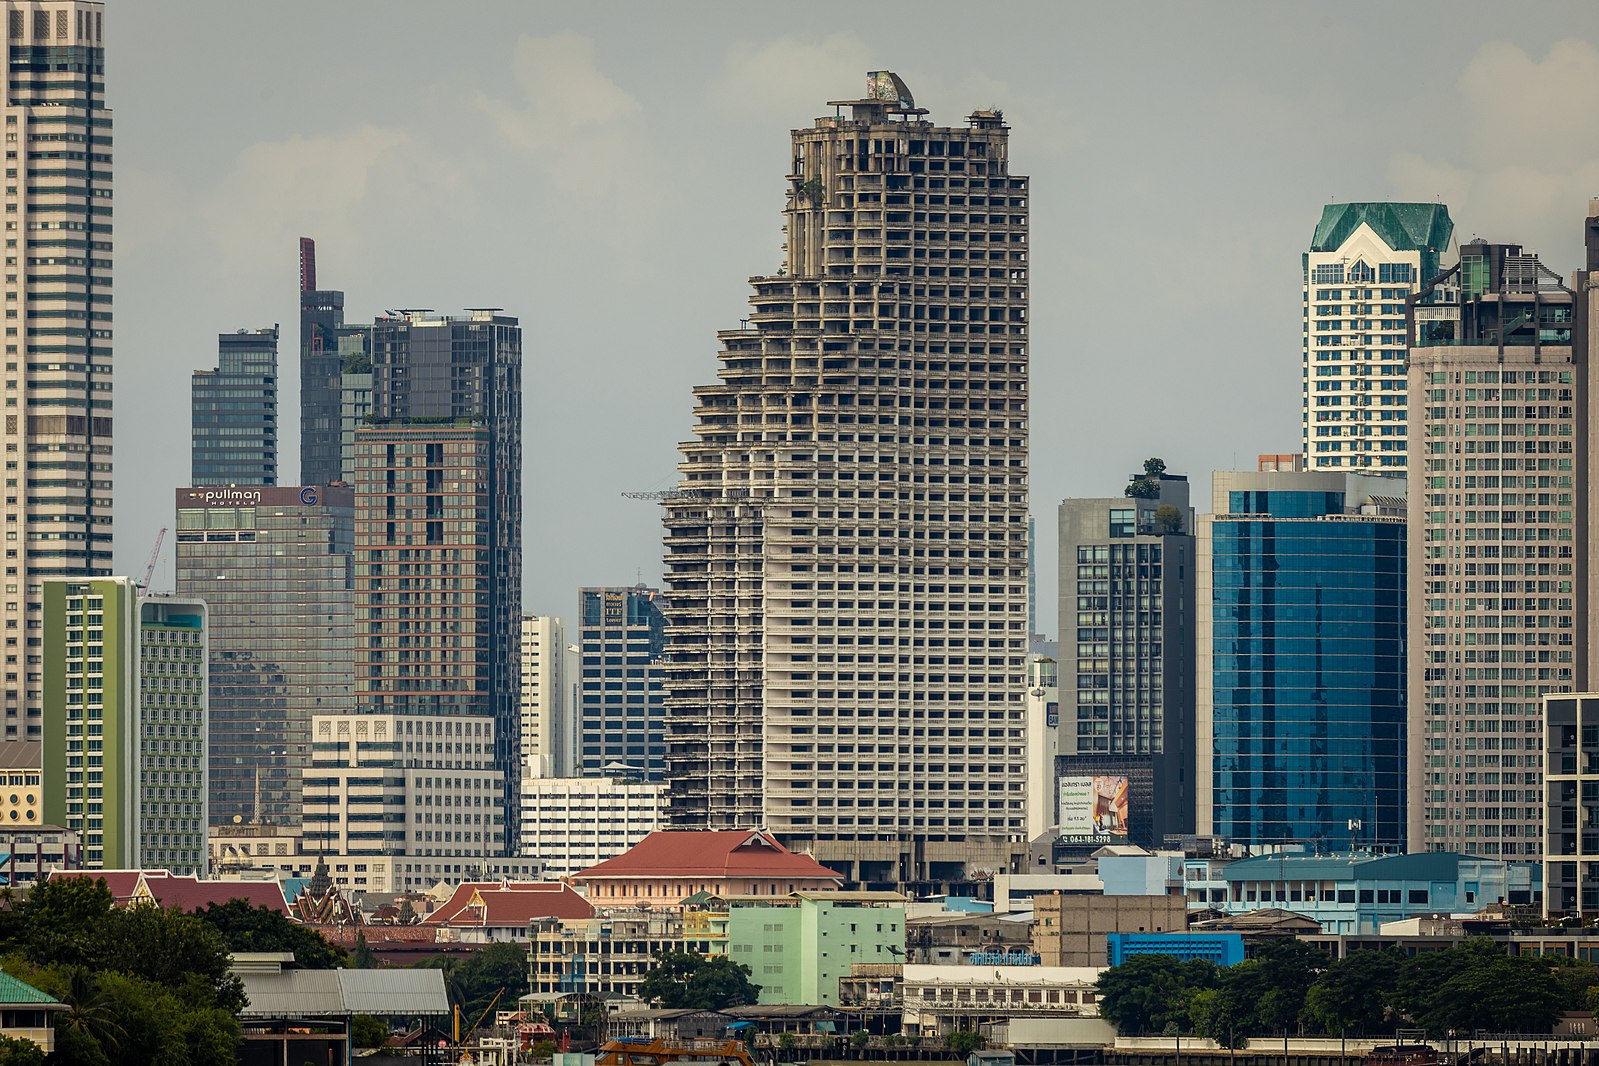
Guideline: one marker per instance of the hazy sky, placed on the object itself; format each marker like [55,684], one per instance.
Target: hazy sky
[613,174]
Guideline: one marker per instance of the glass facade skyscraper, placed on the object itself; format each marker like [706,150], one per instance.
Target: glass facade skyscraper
[620,714]
[274,565]
[1301,694]
[234,412]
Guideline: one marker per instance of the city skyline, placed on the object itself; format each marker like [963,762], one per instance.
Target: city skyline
[558,103]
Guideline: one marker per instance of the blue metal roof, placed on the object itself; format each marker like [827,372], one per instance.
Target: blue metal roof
[1425,866]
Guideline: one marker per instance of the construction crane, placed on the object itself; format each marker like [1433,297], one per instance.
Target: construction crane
[459,1039]
[155,553]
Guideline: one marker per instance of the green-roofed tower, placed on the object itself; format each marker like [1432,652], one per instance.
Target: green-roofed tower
[1364,260]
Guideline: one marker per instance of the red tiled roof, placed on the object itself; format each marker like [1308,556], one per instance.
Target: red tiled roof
[513,903]
[184,893]
[122,883]
[716,853]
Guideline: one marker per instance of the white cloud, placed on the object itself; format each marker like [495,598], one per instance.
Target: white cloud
[1527,157]
[584,132]
[326,185]
[783,77]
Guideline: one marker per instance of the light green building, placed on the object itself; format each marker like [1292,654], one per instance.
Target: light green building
[125,724]
[798,946]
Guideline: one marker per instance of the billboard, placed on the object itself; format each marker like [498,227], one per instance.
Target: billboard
[1094,809]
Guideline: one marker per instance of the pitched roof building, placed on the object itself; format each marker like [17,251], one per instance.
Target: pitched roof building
[185,893]
[668,866]
[505,908]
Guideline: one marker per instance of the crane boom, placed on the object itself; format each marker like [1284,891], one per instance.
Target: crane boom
[155,553]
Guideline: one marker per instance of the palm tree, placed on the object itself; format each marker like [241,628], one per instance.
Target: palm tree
[89,1011]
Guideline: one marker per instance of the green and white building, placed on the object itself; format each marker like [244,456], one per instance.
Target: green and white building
[125,698]
[798,946]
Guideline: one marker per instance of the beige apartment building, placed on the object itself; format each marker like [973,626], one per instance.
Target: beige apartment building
[1498,543]
[847,552]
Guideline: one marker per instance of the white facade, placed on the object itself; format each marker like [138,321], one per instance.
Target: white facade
[572,823]
[1043,743]
[939,999]
[1354,388]
[58,337]
[402,784]
[549,742]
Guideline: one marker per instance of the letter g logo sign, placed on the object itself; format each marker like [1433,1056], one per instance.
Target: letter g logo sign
[308,495]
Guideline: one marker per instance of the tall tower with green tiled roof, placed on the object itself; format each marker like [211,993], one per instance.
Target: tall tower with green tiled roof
[1364,260]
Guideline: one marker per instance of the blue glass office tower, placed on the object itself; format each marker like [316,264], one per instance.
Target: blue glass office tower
[621,717]
[235,412]
[1301,649]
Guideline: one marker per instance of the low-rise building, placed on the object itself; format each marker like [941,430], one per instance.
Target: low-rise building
[943,999]
[605,956]
[799,947]
[948,939]
[668,866]
[25,1013]
[1071,930]
[1356,894]
[483,912]
[572,823]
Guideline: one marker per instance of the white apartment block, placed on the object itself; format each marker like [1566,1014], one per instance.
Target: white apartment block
[1364,261]
[847,554]
[57,382]
[402,784]
[572,823]
[549,739]
[1497,593]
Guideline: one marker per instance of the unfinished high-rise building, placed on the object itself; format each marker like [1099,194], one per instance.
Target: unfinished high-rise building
[847,554]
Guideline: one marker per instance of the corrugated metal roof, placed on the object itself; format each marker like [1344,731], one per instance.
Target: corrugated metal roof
[313,993]
[1427,866]
[15,991]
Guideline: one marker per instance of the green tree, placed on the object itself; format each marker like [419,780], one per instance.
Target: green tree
[1147,992]
[367,1031]
[963,1042]
[1287,969]
[171,949]
[1168,519]
[682,979]
[1356,994]
[247,928]
[362,958]
[15,1052]
[89,1011]
[1154,467]
[62,918]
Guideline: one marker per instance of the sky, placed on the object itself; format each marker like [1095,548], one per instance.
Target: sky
[612,174]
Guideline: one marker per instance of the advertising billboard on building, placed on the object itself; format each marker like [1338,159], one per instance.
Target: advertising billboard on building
[1094,809]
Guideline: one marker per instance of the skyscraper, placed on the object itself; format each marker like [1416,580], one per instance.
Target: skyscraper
[1301,651]
[1499,532]
[1364,260]
[58,346]
[438,529]
[847,559]
[274,564]
[125,729]
[234,412]
[548,718]
[621,636]
[1127,632]
[321,325]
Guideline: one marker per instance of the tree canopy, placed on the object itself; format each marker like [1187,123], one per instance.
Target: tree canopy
[1291,985]
[688,979]
[247,928]
[140,984]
